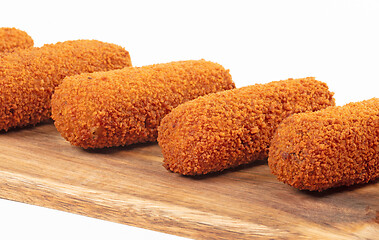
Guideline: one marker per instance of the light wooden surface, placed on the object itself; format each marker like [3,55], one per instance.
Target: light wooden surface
[128,185]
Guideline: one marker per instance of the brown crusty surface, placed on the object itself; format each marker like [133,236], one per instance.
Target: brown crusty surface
[234,127]
[125,106]
[28,77]
[337,146]
[12,38]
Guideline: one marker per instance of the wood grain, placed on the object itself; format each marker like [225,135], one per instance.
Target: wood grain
[129,185]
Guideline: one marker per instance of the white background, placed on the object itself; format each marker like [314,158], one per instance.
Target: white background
[259,41]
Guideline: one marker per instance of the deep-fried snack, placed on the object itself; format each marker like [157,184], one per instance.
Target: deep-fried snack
[125,106]
[337,146]
[12,38]
[234,127]
[28,77]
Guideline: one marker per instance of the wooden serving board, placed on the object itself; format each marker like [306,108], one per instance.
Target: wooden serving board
[129,185]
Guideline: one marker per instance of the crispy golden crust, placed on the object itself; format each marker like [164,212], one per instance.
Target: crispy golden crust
[12,38]
[337,146]
[125,106]
[234,127]
[28,77]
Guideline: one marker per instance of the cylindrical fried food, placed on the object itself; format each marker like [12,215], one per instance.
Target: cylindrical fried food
[230,128]
[12,38]
[125,106]
[28,77]
[337,146]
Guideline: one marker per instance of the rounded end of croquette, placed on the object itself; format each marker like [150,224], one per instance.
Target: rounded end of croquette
[12,38]
[337,146]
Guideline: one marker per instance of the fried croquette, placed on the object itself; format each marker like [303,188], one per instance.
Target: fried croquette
[12,39]
[234,127]
[126,106]
[337,146]
[28,77]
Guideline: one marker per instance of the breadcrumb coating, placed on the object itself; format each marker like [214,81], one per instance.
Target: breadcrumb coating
[337,146]
[12,38]
[234,127]
[28,77]
[126,106]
